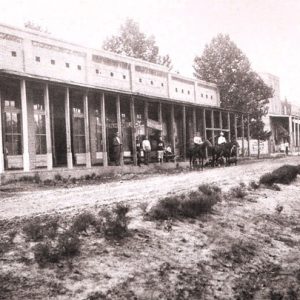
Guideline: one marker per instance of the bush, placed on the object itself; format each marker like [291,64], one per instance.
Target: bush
[253,185]
[58,177]
[68,244]
[44,252]
[83,221]
[209,189]
[238,192]
[285,175]
[50,228]
[33,229]
[114,223]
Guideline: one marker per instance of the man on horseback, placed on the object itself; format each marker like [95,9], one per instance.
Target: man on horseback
[221,139]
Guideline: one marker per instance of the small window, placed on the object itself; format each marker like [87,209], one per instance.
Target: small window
[111,74]
[124,76]
[140,80]
[97,71]
[176,90]
[79,67]
[188,92]
[52,62]
[162,84]
[37,58]
[67,65]
[211,97]
[151,82]
[182,91]
[13,53]
[201,95]
[206,96]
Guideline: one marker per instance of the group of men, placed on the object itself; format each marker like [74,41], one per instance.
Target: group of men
[143,148]
[221,139]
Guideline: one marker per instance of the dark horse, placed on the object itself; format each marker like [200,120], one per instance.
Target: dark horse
[228,151]
[198,152]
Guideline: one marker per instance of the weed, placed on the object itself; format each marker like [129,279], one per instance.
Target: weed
[238,191]
[58,177]
[33,229]
[209,189]
[50,228]
[68,244]
[83,221]
[253,185]
[45,252]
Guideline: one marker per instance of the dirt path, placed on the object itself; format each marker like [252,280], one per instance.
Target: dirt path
[135,191]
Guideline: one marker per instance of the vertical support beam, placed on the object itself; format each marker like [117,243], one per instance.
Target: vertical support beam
[173,128]
[104,146]
[48,127]
[68,128]
[294,135]
[228,121]
[160,119]
[133,130]
[184,131]
[212,126]
[87,130]
[221,120]
[119,124]
[243,136]
[26,161]
[146,116]
[291,133]
[1,137]
[194,121]
[235,131]
[248,134]
[204,124]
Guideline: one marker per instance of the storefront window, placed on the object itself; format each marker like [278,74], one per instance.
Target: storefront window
[78,134]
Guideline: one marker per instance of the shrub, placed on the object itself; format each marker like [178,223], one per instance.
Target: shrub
[33,229]
[83,221]
[44,252]
[115,221]
[238,191]
[58,177]
[68,244]
[253,185]
[285,175]
[209,189]
[50,228]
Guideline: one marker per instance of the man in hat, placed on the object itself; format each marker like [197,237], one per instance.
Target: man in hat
[221,139]
[117,148]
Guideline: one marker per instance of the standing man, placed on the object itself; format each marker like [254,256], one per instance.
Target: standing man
[138,150]
[117,145]
[147,149]
[160,150]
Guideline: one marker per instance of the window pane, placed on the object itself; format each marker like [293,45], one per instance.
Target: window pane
[17,146]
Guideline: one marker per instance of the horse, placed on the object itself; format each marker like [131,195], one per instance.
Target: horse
[198,152]
[226,150]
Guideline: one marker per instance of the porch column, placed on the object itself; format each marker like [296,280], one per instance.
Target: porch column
[294,134]
[104,153]
[68,128]
[221,120]
[243,136]
[291,133]
[235,131]
[26,161]
[160,112]
[119,124]
[194,121]
[133,131]
[173,128]
[1,141]
[87,130]
[228,121]
[248,134]
[146,116]
[184,131]
[212,126]
[204,124]
[48,127]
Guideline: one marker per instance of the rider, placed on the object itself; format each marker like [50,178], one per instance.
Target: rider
[197,139]
[221,139]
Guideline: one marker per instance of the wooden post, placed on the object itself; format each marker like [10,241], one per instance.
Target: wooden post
[1,141]
[243,135]
[228,121]
[119,124]
[103,123]
[221,120]
[173,128]
[194,121]
[291,133]
[68,128]
[26,159]
[248,134]
[184,131]
[48,127]
[146,117]
[294,135]
[87,130]
[133,129]
[235,131]
[213,127]
[204,124]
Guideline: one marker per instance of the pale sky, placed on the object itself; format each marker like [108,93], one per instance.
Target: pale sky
[267,31]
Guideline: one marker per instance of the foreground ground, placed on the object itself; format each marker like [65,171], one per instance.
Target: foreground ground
[245,249]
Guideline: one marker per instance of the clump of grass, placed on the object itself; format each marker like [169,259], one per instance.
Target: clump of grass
[114,223]
[83,221]
[44,253]
[68,244]
[190,205]
[285,175]
[238,191]
[58,177]
[33,229]
[253,185]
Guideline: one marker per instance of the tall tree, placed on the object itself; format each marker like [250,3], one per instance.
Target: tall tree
[132,42]
[223,63]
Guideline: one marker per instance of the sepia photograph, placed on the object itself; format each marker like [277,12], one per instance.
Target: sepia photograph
[149,150]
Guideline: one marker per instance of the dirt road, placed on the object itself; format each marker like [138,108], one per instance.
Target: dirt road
[134,191]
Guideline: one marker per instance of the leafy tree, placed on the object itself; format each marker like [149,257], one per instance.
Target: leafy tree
[132,42]
[223,63]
